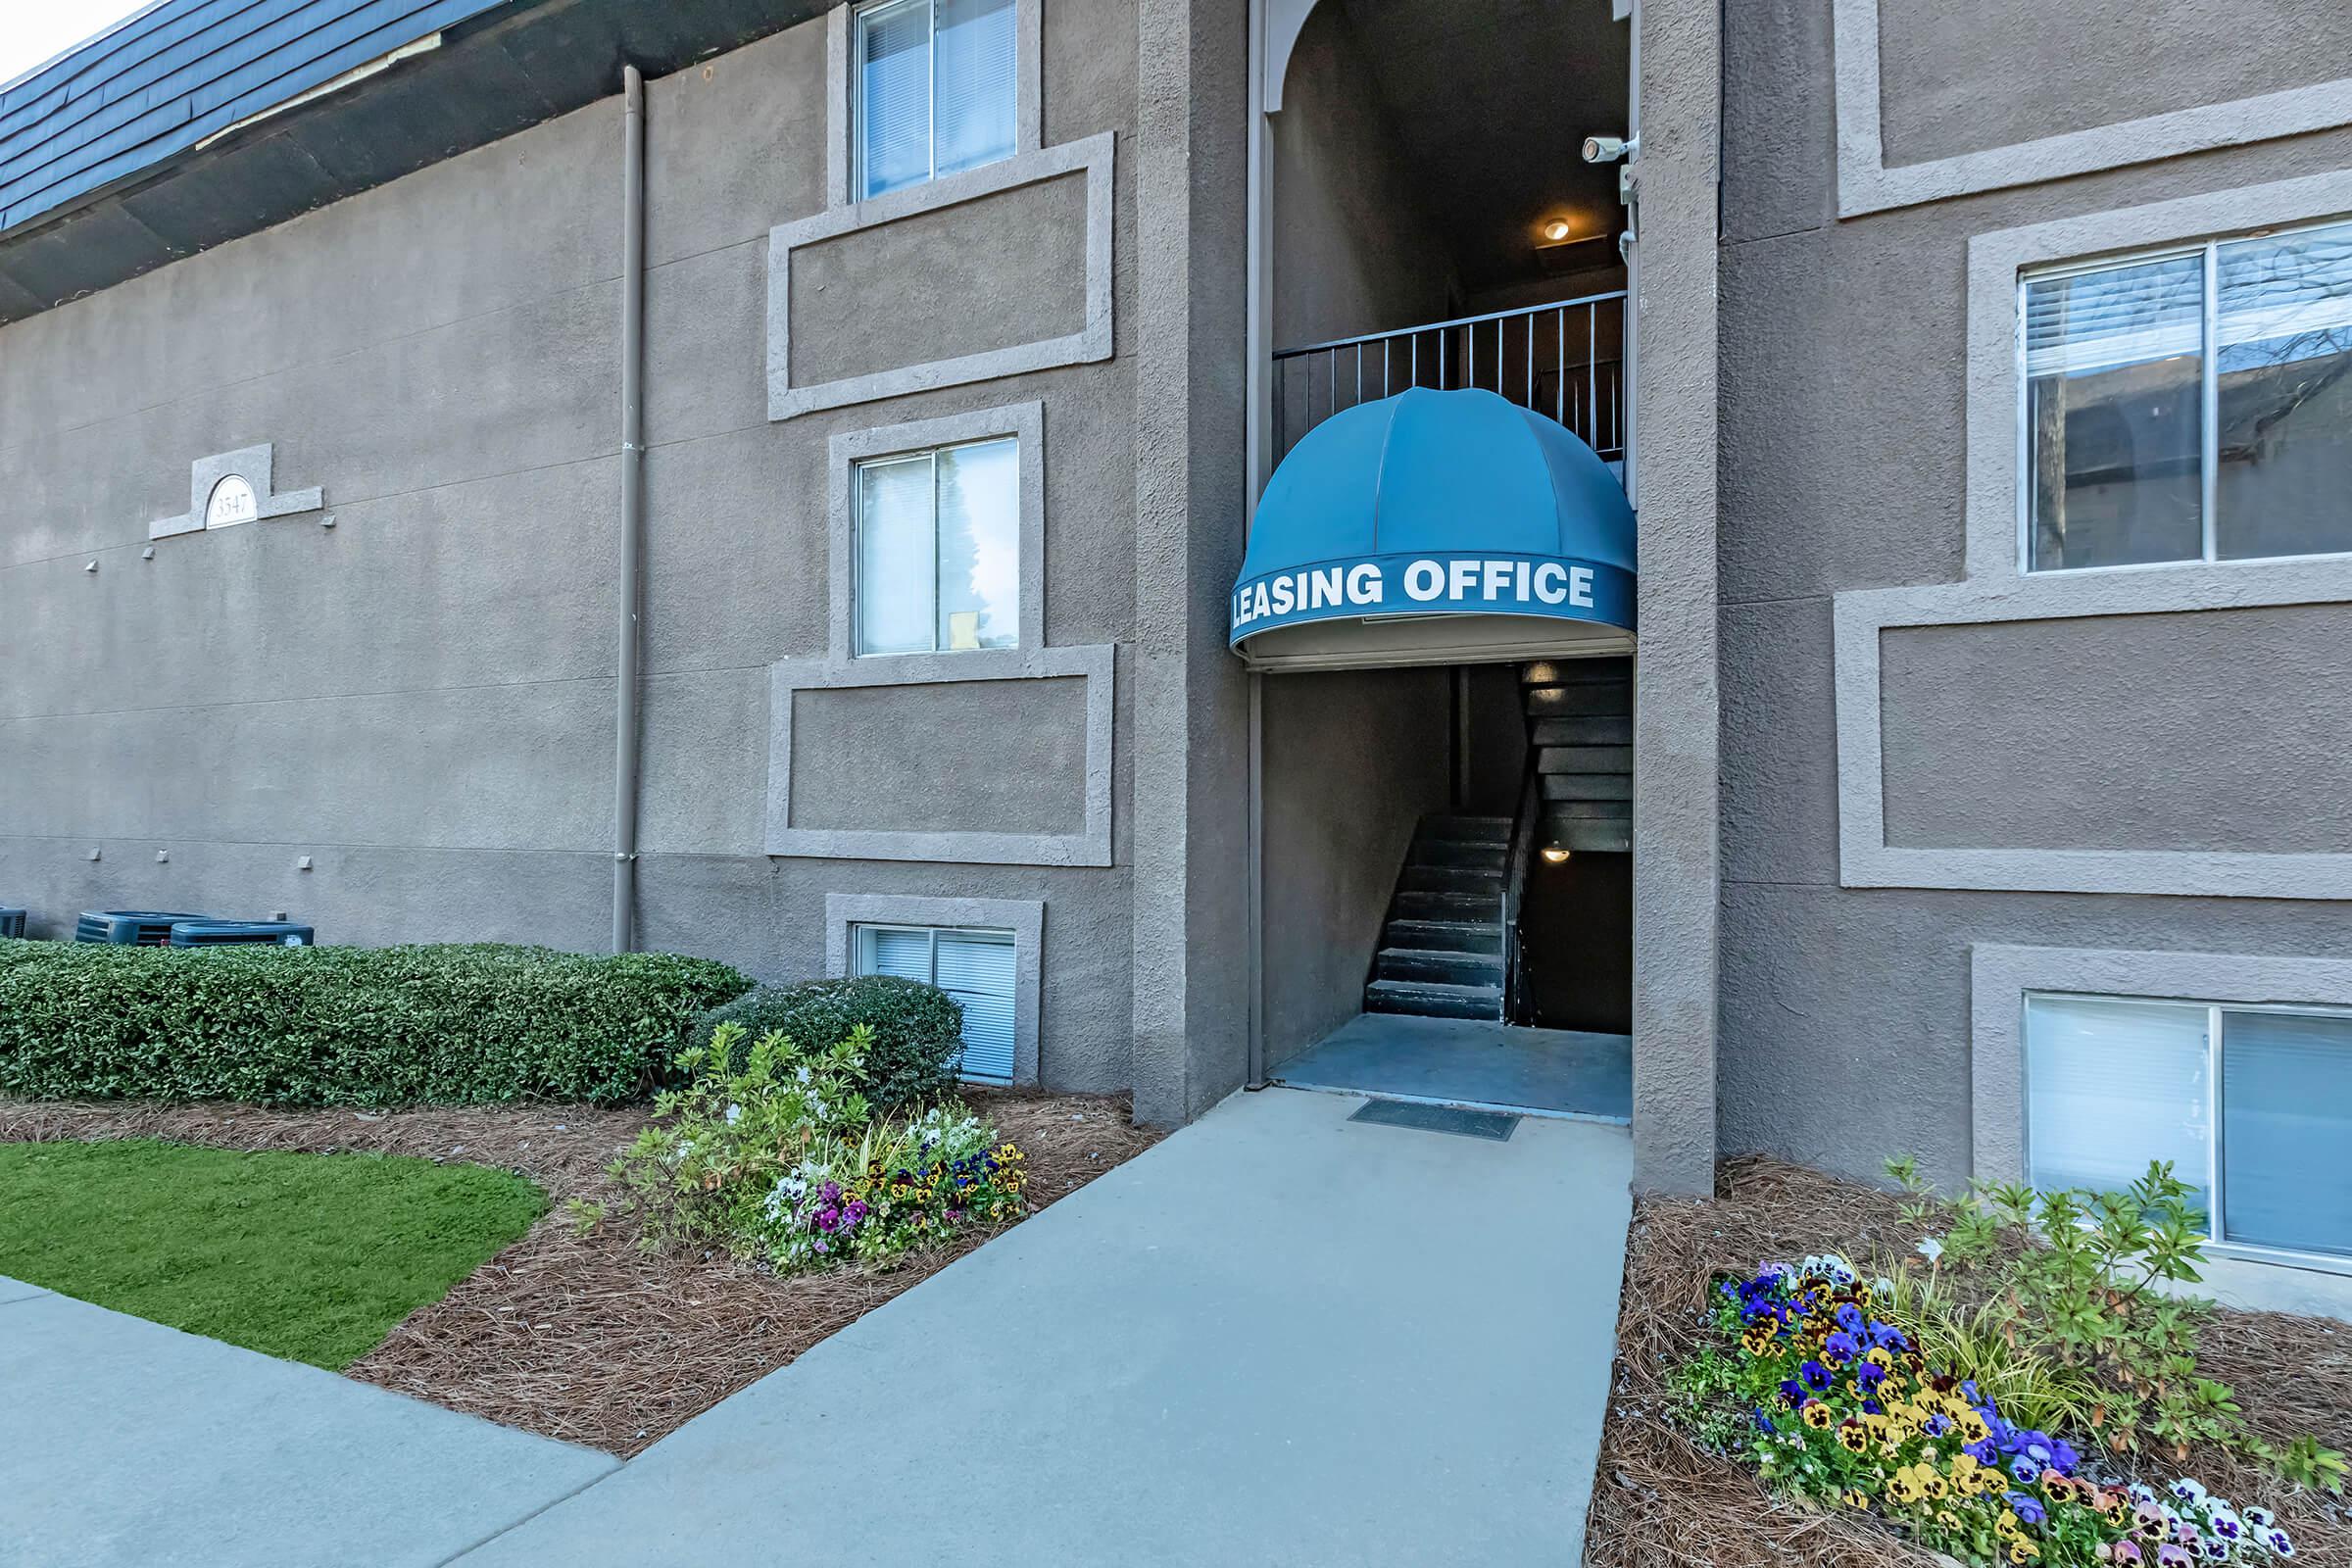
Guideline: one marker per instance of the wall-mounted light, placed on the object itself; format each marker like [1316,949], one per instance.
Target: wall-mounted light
[1554,853]
[1556,230]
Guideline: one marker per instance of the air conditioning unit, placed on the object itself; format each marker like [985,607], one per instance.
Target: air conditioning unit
[127,928]
[201,933]
[12,923]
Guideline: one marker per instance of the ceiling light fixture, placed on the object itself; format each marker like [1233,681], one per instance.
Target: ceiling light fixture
[1556,230]
[1554,853]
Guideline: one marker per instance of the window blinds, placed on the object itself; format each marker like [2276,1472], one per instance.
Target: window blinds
[2115,316]
[2111,1086]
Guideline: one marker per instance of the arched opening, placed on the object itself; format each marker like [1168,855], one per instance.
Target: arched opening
[1445,797]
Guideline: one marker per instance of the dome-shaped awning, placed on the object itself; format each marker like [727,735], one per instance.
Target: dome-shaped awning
[1435,527]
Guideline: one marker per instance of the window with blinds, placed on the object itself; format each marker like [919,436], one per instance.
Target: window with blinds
[976,967]
[937,564]
[935,84]
[2193,406]
[2248,1104]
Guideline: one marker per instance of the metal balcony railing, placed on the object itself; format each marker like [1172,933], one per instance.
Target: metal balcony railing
[1565,360]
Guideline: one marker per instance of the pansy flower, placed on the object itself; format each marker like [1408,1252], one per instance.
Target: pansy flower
[1840,1349]
[1816,1376]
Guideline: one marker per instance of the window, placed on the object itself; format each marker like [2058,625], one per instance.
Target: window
[2249,1104]
[937,560]
[976,967]
[935,88]
[2192,406]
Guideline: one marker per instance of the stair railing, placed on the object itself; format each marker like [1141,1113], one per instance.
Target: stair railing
[1514,881]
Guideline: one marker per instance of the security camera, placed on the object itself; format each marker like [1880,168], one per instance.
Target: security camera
[1607,149]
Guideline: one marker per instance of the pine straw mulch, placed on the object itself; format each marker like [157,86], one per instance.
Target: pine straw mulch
[587,1338]
[1661,1502]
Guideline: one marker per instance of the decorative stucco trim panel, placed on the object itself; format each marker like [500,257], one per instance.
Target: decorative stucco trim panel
[1091,342]
[1997,588]
[254,465]
[2000,976]
[1089,847]
[1866,184]
[1024,421]
[1025,918]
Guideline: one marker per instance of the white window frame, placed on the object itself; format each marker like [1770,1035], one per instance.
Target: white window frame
[859,930]
[2209,434]
[856,150]
[2216,1239]
[930,454]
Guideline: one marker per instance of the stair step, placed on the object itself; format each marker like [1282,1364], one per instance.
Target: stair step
[1465,830]
[1467,853]
[1591,834]
[1412,905]
[1450,936]
[1602,731]
[1451,879]
[1427,999]
[1585,759]
[1595,699]
[1441,964]
[1588,787]
[1610,811]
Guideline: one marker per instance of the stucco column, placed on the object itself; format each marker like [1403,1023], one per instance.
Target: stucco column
[1189,819]
[1677,847]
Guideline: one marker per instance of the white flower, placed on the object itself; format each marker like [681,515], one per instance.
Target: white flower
[803,1074]
[734,1114]
[2188,1491]
[1930,1248]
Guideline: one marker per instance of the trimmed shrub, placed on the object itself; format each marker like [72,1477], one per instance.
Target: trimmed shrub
[345,1027]
[917,1030]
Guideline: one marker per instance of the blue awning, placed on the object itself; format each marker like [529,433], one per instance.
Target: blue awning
[1439,504]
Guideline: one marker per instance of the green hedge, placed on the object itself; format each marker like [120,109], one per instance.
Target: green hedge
[918,1029]
[345,1027]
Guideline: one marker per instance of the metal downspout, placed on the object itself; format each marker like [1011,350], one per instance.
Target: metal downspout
[632,506]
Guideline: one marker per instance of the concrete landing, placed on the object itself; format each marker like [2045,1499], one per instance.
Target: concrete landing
[1277,1337]
[1466,1061]
[127,1443]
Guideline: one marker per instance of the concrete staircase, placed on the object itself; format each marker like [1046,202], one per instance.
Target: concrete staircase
[1580,715]
[1442,952]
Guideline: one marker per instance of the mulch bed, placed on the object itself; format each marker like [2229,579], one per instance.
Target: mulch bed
[587,1338]
[1660,1502]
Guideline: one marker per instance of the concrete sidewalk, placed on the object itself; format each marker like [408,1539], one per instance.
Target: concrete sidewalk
[127,1443]
[1277,1337]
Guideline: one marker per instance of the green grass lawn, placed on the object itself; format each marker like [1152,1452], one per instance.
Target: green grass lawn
[313,1257]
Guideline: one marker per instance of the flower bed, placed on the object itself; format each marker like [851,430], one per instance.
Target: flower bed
[1848,1413]
[785,1160]
[1679,1484]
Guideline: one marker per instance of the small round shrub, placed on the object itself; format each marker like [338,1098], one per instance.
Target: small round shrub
[919,1030]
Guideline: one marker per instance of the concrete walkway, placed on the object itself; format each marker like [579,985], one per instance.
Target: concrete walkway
[1278,1337]
[122,1442]
[1472,1062]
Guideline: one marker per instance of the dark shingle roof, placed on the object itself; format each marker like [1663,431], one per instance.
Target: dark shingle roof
[179,72]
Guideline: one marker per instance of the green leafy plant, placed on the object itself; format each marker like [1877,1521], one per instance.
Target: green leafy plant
[774,1153]
[1973,1342]
[914,1032]
[345,1027]
[2092,1279]
[1806,1374]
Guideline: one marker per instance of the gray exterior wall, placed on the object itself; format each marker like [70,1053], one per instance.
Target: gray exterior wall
[1353,760]
[1844,465]
[421,698]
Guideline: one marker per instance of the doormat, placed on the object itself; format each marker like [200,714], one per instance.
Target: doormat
[1490,1125]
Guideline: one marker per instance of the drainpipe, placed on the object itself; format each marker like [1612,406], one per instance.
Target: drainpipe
[1255,380]
[632,504]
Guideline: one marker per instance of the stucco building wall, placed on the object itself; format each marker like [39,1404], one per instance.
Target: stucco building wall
[1844,356]
[420,698]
